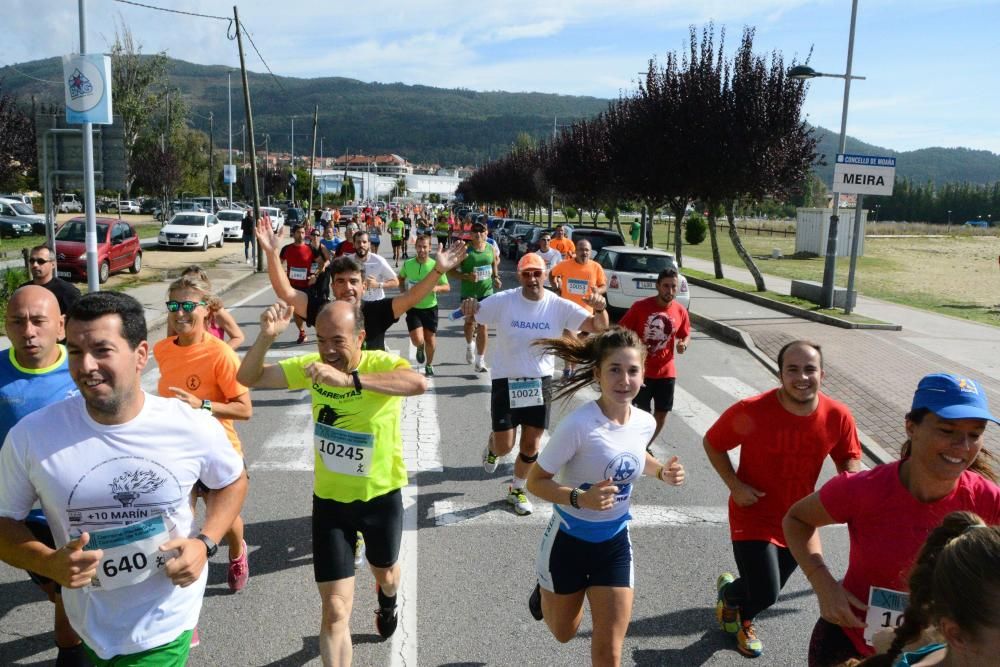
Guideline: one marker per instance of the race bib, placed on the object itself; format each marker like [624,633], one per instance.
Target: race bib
[525,392]
[577,286]
[298,273]
[885,611]
[131,553]
[346,452]
[314,267]
[484,272]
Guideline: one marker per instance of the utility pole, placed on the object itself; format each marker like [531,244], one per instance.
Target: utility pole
[253,152]
[552,192]
[211,161]
[229,76]
[292,185]
[312,160]
[324,180]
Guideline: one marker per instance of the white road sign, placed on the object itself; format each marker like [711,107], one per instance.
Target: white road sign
[864,174]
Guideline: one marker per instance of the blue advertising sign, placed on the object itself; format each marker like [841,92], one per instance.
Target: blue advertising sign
[87,80]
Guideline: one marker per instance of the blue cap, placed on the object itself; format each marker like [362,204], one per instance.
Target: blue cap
[952,397]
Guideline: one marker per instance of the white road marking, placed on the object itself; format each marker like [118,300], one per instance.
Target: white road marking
[735,387]
[699,417]
[290,448]
[452,513]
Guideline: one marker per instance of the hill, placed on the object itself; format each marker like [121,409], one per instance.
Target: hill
[426,124]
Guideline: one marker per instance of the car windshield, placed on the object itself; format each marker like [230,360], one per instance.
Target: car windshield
[598,241]
[230,216]
[23,209]
[644,263]
[76,230]
[189,220]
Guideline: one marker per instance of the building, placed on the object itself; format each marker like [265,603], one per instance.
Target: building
[390,164]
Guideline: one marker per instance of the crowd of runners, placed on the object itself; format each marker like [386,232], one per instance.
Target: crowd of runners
[99,479]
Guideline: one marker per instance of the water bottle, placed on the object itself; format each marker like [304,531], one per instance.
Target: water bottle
[456,314]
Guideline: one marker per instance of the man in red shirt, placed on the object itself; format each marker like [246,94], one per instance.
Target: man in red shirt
[298,258]
[784,436]
[661,323]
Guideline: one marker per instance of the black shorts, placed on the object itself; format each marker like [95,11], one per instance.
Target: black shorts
[426,318]
[396,243]
[658,392]
[334,529]
[43,534]
[567,564]
[505,418]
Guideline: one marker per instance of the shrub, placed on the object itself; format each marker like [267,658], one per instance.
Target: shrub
[569,212]
[695,229]
[10,280]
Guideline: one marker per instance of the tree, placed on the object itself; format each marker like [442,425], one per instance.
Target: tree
[17,143]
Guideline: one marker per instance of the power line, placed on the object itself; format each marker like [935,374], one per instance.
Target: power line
[174,11]
[247,33]
[54,83]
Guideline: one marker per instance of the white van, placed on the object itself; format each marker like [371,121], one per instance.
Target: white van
[70,204]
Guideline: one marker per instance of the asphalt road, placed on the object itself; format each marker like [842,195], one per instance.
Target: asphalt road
[468,559]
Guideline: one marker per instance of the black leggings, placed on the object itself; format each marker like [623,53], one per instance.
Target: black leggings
[764,568]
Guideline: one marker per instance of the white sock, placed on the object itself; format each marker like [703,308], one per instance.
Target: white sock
[481,359]
[519,483]
[472,346]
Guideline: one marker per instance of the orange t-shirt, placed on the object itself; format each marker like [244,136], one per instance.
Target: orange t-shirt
[206,369]
[781,454]
[579,280]
[565,246]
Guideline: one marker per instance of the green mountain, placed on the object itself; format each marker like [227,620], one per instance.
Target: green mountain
[425,124]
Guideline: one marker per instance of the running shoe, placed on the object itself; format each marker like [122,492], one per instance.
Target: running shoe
[519,499]
[195,639]
[359,550]
[728,617]
[481,367]
[490,460]
[239,571]
[386,620]
[429,371]
[421,358]
[535,603]
[470,354]
[302,337]
[747,642]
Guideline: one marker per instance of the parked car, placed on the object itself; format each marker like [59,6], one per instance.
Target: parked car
[294,216]
[631,274]
[150,206]
[348,214]
[530,241]
[24,199]
[508,246]
[117,249]
[505,227]
[191,230]
[123,205]
[20,214]
[982,224]
[276,216]
[68,203]
[232,224]
[598,238]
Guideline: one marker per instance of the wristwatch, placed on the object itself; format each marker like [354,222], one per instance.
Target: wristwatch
[207,405]
[357,379]
[210,546]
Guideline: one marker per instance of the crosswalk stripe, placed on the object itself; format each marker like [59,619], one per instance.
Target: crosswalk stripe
[735,387]
[453,513]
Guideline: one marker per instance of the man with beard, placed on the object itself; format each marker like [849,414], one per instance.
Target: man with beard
[359,468]
[661,323]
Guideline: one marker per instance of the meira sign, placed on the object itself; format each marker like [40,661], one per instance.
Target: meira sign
[864,174]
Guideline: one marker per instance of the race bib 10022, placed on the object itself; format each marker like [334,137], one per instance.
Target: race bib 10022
[885,611]
[131,553]
[346,452]
[525,392]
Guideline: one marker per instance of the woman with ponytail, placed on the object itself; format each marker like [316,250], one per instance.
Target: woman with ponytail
[890,510]
[587,471]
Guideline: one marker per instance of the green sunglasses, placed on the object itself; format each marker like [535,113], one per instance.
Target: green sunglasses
[186,306]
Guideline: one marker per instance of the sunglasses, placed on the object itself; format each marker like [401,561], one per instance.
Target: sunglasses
[38,260]
[532,274]
[186,306]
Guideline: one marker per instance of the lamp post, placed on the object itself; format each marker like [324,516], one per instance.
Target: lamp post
[229,76]
[949,217]
[802,72]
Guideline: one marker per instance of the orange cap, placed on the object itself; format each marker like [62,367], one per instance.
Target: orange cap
[531,261]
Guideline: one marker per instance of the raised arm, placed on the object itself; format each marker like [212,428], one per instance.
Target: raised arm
[268,243]
[253,371]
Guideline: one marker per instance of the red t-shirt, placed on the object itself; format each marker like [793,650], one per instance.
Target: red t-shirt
[887,526]
[659,328]
[298,259]
[781,454]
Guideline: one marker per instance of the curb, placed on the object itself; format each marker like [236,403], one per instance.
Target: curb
[742,339]
[789,309]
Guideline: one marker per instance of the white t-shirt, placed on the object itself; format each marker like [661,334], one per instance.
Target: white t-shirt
[586,448]
[90,477]
[519,322]
[552,257]
[378,268]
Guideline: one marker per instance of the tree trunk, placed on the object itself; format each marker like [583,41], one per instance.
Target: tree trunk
[734,236]
[714,237]
[678,207]
[618,224]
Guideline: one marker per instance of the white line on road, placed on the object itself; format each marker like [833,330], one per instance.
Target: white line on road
[699,417]
[735,387]
[452,513]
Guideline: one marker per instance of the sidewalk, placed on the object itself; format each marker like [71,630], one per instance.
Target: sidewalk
[873,372]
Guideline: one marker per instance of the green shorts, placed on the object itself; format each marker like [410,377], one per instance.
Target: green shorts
[174,654]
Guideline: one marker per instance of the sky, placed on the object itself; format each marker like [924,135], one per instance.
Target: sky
[930,71]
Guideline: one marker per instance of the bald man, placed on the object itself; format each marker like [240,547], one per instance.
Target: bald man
[33,374]
[359,469]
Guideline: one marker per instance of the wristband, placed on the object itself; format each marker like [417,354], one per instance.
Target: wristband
[357,380]
[659,473]
[574,497]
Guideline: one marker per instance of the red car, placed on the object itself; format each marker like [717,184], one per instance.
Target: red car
[117,248]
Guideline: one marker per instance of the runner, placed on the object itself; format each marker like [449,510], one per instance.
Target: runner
[480,277]
[954,591]
[247,226]
[562,243]
[574,279]
[321,258]
[784,435]
[378,273]
[522,375]
[200,370]
[347,279]
[375,227]
[397,229]
[34,373]
[890,510]
[133,578]
[422,319]
[597,452]
[359,469]
[43,273]
[298,257]
[551,256]
[331,240]
[442,229]
[662,324]
[220,322]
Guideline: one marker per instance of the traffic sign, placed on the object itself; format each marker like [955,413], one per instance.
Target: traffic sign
[864,174]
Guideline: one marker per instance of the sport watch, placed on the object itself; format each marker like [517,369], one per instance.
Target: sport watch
[207,405]
[210,546]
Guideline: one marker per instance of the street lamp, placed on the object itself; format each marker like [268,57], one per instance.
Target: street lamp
[801,73]
[949,217]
